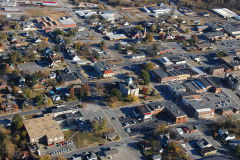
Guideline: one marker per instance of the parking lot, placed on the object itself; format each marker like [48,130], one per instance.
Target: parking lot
[134,126]
[57,149]
[229,43]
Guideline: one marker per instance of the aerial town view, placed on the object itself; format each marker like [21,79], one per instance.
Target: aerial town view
[120,80]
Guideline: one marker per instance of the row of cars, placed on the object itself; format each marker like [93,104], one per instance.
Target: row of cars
[60,151]
[129,123]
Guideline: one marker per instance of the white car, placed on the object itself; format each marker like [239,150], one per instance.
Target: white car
[128,130]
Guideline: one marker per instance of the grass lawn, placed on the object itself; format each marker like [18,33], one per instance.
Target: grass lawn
[40,13]
[68,134]
[83,140]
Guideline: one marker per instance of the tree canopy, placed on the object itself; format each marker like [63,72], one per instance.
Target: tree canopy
[17,122]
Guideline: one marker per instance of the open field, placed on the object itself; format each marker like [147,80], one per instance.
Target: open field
[40,13]
[83,140]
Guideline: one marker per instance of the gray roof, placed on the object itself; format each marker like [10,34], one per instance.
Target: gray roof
[82,33]
[160,73]
[177,86]
[194,85]
[174,109]
[68,76]
[101,66]
[63,108]
[111,152]
[66,21]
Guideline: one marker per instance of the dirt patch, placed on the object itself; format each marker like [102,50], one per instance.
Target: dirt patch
[41,13]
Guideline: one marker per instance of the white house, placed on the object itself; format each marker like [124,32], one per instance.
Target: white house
[37,40]
[56,97]
[76,58]
[179,131]
[52,75]
[224,134]
[81,62]
[137,56]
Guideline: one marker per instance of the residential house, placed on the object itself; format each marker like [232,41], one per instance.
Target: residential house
[53,60]
[92,156]
[21,81]
[9,105]
[129,52]
[134,34]
[52,75]
[55,97]
[103,70]
[76,58]
[129,87]
[224,134]
[110,154]
[3,84]
[208,151]
[202,143]
[110,136]
[165,139]
[145,146]
[13,39]
[37,40]
[6,123]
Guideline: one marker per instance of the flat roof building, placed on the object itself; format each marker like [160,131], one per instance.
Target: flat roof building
[43,130]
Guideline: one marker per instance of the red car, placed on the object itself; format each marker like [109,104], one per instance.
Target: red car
[101,144]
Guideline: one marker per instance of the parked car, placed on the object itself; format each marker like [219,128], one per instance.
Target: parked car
[128,130]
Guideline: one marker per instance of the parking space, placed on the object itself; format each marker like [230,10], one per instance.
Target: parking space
[85,126]
[147,127]
[58,149]
[229,44]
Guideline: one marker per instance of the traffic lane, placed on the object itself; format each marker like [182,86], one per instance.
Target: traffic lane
[10,116]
